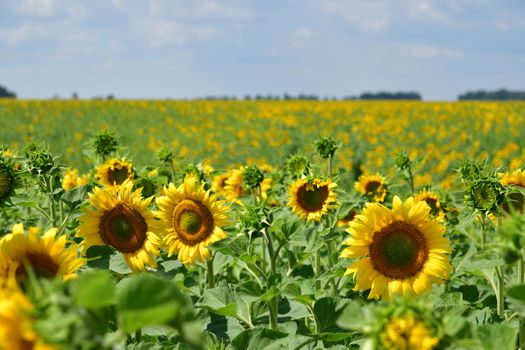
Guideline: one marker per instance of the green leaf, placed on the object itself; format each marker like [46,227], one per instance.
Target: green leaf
[219,300]
[146,300]
[98,257]
[327,310]
[352,316]
[516,297]
[118,264]
[260,339]
[497,337]
[94,289]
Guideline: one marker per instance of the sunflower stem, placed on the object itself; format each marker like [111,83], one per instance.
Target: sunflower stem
[52,213]
[211,276]
[500,298]
[411,180]
[61,210]
[329,170]
[521,322]
[317,269]
[172,168]
[273,303]
[482,243]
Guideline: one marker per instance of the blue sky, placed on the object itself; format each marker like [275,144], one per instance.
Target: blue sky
[185,49]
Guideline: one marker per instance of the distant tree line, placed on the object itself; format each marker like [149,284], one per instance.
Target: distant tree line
[497,95]
[5,93]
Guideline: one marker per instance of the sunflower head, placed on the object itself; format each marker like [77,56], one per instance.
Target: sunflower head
[119,217]
[349,217]
[72,179]
[408,333]
[252,176]
[372,186]
[105,143]
[47,256]
[219,182]
[432,199]
[485,195]
[114,172]
[297,166]
[16,323]
[514,183]
[326,147]
[311,199]
[192,220]
[234,186]
[7,181]
[400,250]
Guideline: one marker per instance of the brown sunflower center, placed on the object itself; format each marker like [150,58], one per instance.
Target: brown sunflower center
[43,266]
[372,186]
[118,175]
[5,183]
[398,251]
[433,204]
[192,221]
[123,228]
[349,217]
[314,199]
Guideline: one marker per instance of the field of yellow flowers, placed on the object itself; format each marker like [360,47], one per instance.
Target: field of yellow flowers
[262,225]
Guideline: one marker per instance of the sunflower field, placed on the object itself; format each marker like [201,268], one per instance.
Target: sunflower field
[262,225]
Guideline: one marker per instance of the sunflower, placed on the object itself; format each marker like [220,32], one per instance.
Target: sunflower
[311,200]
[515,199]
[47,256]
[516,178]
[372,186]
[7,181]
[219,182]
[114,172]
[432,199]
[120,218]
[192,220]
[349,217]
[400,250]
[234,186]
[16,323]
[407,333]
[72,180]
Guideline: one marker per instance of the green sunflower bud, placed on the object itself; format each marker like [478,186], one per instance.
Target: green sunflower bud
[252,176]
[402,161]
[485,195]
[297,166]
[195,171]
[326,147]
[105,143]
[7,182]
[165,155]
[470,170]
[40,161]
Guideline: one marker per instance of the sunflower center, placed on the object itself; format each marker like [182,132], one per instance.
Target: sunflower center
[124,228]
[118,175]
[312,199]
[372,186]
[43,266]
[192,221]
[398,251]
[5,183]
[433,204]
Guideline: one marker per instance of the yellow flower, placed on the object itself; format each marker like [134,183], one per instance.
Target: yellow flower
[516,178]
[120,218]
[400,250]
[192,220]
[349,217]
[432,199]
[234,187]
[16,324]
[372,186]
[219,182]
[72,180]
[114,172]
[47,256]
[407,333]
[311,200]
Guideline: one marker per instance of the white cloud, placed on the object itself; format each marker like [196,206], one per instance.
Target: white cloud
[366,16]
[37,8]
[424,10]
[424,52]
[303,37]
[166,32]
[27,31]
